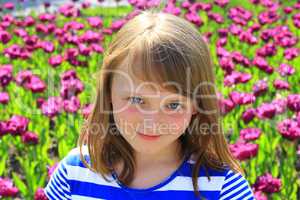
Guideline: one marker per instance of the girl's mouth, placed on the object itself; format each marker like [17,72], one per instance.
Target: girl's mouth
[148,137]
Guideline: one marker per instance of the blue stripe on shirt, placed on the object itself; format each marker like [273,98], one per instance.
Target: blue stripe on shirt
[73,179]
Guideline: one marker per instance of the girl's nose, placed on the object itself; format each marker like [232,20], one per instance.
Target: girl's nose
[151,119]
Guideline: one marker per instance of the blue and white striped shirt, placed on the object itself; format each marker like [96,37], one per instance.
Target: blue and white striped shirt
[72,180]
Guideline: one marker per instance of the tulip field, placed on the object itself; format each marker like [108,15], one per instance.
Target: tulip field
[50,60]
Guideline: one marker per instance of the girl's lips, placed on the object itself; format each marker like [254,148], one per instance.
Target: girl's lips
[148,137]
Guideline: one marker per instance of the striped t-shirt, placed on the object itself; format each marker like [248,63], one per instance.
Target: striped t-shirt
[72,180]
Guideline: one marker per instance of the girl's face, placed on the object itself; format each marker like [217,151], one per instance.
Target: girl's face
[140,110]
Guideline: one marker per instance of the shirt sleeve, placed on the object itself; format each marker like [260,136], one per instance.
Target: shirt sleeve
[236,187]
[58,187]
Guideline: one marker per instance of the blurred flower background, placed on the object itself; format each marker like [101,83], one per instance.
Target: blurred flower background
[51,51]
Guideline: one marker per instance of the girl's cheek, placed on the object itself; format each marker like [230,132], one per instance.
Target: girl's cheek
[130,113]
[178,122]
[130,109]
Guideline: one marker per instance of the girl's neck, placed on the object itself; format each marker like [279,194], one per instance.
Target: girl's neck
[172,156]
[169,156]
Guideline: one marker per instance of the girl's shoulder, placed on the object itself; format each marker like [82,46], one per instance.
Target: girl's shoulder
[230,183]
[72,177]
[73,157]
[203,171]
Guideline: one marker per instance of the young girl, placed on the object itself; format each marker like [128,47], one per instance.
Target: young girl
[155,130]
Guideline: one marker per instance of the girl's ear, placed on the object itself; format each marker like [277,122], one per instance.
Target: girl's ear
[194,111]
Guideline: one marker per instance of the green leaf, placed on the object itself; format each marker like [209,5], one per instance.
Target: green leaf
[62,148]
[3,163]
[20,184]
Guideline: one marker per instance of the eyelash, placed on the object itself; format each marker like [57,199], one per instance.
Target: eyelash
[179,105]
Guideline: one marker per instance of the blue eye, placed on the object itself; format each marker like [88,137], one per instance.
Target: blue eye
[174,106]
[135,99]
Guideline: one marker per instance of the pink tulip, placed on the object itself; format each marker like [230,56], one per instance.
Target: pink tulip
[51,169]
[285,70]
[52,107]
[226,64]
[250,134]
[4,128]
[29,21]
[39,102]
[255,27]
[268,49]
[97,48]
[55,60]
[226,105]
[16,51]
[248,115]
[86,110]
[248,37]
[4,98]
[235,29]
[239,15]
[20,32]
[193,18]
[291,53]
[268,17]
[262,64]
[40,194]
[47,17]
[29,81]
[260,88]
[266,111]
[186,4]
[221,3]
[91,37]
[288,10]
[85,4]
[9,5]
[95,22]
[281,84]
[73,25]
[289,129]
[296,20]
[7,189]
[267,183]
[243,151]
[201,6]
[297,5]
[29,138]
[116,25]
[84,50]
[17,125]
[236,77]
[221,52]
[69,10]
[293,102]
[5,74]
[280,105]
[71,105]
[216,17]
[71,85]
[47,4]
[259,195]
[241,98]
[5,37]
[36,85]
[47,46]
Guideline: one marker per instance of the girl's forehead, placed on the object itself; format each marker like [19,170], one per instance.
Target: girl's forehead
[131,80]
[146,90]
[126,82]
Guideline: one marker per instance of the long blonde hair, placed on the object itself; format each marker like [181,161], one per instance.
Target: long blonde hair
[164,47]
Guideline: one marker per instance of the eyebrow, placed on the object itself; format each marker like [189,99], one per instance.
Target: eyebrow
[174,96]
